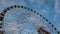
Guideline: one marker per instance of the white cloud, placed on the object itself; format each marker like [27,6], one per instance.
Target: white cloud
[57,6]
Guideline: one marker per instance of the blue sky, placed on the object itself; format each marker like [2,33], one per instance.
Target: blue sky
[48,8]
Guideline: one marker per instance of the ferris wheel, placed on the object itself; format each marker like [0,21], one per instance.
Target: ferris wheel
[19,19]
